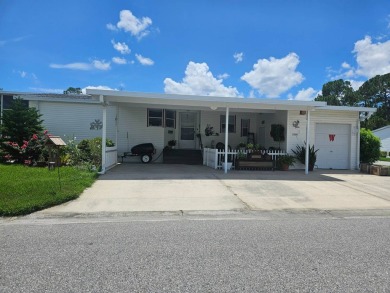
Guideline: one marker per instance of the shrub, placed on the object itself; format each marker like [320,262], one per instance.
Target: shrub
[369,146]
[87,152]
[300,154]
[29,152]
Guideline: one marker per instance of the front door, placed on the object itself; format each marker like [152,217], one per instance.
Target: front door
[187,135]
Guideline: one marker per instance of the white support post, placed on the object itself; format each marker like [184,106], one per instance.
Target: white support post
[104,135]
[358,143]
[226,137]
[307,143]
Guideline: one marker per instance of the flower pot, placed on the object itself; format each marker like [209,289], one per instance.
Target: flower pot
[229,165]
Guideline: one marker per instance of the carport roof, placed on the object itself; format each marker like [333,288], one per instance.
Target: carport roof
[203,102]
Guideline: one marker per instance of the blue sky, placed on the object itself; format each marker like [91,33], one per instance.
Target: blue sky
[253,49]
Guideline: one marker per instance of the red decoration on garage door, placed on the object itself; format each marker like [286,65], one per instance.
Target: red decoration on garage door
[331,137]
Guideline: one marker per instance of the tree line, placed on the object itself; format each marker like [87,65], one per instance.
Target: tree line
[374,93]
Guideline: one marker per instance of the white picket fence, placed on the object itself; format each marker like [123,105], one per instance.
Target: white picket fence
[214,158]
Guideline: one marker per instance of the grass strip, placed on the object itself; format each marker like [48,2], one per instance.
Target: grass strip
[24,190]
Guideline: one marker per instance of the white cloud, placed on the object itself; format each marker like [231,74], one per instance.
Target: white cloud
[99,87]
[130,23]
[356,84]
[101,64]
[198,80]
[308,94]
[23,74]
[121,47]
[111,27]
[119,60]
[73,66]
[223,76]
[144,60]
[46,90]
[95,64]
[345,65]
[372,58]
[271,77]
[238,57]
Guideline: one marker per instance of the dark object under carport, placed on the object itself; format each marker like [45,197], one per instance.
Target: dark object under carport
[144,150]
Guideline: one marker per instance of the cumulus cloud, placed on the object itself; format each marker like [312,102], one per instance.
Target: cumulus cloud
[121,47]
[238,57]
[199,80]
[95,64]
[308,94]
[130,23]
[372,58]
[119,60]
[99,87]
[273,76]
[143,60]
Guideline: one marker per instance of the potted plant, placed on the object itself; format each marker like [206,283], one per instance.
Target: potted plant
[241,146]
[172,144]
[285,161]
[300,154]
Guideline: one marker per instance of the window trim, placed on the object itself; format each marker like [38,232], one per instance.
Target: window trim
[163,118]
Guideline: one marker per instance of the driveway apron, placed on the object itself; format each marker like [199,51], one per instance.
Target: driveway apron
[161,187]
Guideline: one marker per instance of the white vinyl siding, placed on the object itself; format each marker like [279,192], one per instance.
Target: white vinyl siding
[71,120]
[133,130]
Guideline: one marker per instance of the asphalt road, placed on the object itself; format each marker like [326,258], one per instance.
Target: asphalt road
[197,253]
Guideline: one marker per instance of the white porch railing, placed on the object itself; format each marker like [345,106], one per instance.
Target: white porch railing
[214,158]
[111,157]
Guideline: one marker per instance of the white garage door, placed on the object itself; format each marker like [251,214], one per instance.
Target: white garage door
[333,142]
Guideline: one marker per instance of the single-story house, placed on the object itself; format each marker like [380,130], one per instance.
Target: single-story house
[129,118]
[384,135]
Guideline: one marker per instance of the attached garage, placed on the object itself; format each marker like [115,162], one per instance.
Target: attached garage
[334,144]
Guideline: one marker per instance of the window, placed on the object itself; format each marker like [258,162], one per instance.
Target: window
[7,101]
[170,118]
[231,125]
[162,118]
[245,125]
[155,117]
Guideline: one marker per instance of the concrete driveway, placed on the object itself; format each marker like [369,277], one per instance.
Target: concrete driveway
[159,187]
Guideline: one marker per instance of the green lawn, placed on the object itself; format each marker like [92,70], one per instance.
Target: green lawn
[384,159]
[24,190]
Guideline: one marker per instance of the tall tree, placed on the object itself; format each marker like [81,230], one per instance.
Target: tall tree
[20,122]
[73,90]
[338,93]
[375,92]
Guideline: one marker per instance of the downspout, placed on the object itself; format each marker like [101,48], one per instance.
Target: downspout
[226,137]
[104,135]
[307,142]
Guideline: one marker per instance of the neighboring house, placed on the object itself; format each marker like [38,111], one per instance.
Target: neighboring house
[132,118]
[384,135]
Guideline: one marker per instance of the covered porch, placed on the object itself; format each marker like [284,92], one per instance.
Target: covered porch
[197,122]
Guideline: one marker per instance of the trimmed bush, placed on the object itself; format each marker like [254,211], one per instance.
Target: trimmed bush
[369,146]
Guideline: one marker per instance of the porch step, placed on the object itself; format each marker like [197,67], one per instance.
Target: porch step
[186,157]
